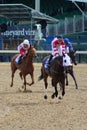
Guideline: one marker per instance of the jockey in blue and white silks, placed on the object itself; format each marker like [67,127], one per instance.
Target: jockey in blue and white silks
[70,50]
[68,45]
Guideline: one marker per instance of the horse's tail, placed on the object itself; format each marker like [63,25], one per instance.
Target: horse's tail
[41,76]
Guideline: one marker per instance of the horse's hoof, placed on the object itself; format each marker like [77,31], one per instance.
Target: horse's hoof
[66,84]
[11,85]
[52,96]
[60,97]
[63,93]
[24,91]
[45,97]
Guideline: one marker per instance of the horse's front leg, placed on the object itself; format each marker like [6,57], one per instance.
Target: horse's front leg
[32,78]
[24,83]
[73,76]
[66,77]
[55,94]
[20,74]
[63,87]
[46,85]
[12,76]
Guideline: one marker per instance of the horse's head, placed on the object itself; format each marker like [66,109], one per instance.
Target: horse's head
[32,52]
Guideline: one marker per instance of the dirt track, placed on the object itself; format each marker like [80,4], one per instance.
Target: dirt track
[29,111]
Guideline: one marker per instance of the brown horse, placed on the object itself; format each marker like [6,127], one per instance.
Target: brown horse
[26,67]
[56,73]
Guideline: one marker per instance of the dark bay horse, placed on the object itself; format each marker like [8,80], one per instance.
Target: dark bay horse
[25,68]
[69,70]
[56,73]
[72,55]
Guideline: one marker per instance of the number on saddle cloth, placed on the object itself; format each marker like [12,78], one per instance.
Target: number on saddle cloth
[66,60]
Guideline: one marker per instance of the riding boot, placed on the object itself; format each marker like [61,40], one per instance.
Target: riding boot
[20,60]
[49,61]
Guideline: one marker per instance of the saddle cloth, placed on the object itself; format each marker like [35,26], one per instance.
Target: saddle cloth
[66,61]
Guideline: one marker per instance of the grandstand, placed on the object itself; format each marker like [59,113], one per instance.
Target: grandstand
[72,24]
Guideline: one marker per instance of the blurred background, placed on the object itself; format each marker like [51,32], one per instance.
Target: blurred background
[40,21]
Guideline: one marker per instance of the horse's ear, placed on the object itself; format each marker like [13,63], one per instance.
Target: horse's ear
[34,45]
[30,45]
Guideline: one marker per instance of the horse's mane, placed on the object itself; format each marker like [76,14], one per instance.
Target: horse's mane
[58,57]
[57,65]
[30,48]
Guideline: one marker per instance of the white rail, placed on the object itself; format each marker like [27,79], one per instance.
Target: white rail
[38,51]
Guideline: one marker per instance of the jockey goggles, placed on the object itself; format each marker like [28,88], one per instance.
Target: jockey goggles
[60,38]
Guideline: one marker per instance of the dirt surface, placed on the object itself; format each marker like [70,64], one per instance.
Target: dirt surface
[30,111]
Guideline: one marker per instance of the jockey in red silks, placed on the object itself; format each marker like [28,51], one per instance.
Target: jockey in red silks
[58,46]
[23,49]
[58,49]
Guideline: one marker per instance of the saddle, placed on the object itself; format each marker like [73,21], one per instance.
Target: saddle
[48,62]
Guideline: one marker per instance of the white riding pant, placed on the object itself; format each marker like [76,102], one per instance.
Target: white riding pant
[17,59]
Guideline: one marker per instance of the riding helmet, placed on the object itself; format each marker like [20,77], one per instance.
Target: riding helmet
[66,40]
[26,42]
